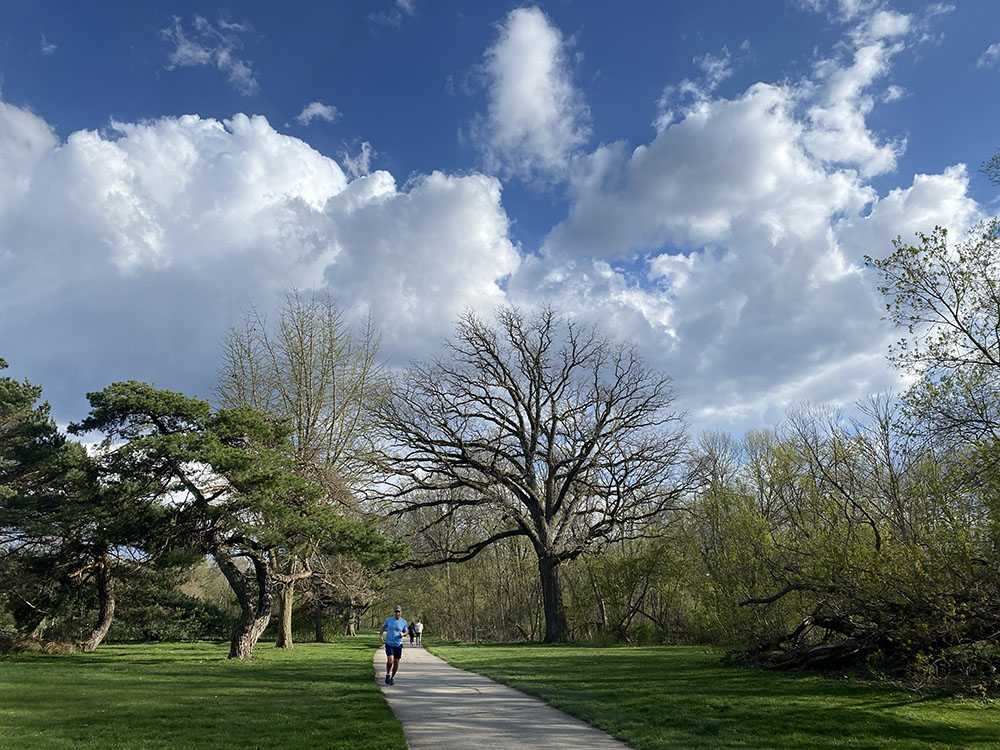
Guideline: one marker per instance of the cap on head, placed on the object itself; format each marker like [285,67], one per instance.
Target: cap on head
[398,608]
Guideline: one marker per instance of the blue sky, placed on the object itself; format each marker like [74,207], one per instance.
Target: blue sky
[701,178]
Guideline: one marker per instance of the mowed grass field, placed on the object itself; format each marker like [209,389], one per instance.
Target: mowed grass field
[325,696]
[191,696]
[683,697]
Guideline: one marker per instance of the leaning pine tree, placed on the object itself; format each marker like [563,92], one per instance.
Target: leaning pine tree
[222,483]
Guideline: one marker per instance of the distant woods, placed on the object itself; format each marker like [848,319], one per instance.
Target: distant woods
[532,481]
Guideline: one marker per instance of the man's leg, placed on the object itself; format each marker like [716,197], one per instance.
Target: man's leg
[388,666]
[395,665]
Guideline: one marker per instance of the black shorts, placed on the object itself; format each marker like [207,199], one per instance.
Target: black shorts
[396,651]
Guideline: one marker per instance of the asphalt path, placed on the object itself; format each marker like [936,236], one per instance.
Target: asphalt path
[442,707]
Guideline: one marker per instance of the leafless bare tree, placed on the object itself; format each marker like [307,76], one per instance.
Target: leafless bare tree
[313,370]
[566,436]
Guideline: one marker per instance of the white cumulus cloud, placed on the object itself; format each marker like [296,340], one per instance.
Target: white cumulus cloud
[731,246]
[126,254]
[537,119]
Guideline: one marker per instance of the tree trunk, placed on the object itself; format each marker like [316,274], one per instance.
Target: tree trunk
[246,633]
[318,620]
[255,601]
[449,598]
[349,628]
[40,627]
[552,599]
[601,605]
[106,596]
[285,603]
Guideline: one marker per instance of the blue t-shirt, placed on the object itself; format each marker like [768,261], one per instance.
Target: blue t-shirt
[394,631]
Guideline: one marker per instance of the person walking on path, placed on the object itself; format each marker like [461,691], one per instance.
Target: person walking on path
[418,628]
[391,633]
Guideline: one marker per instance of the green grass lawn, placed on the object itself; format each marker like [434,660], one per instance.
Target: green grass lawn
[683,697]
[191,696]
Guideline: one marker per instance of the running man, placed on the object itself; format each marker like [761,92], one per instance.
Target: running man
[392,632]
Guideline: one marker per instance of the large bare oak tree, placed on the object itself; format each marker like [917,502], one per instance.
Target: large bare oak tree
[567,437]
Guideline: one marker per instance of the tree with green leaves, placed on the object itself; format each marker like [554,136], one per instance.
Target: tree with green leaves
[58,527]
[323,380]
[222,483]
[842,543]
[550,430]
[946,296]
[29,439]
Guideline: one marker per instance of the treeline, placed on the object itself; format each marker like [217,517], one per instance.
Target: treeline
[867,544]
[826,543]
[259,485]
[534,481]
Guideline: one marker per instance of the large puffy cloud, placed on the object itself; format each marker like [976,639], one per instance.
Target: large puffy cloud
[838,132]
[126,254]
[731,246]
[726,162]
[788,155]
[25,138]
[537,118]
[932,200]
[424,255]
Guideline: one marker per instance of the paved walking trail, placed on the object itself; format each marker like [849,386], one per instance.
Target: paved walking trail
[444,708]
